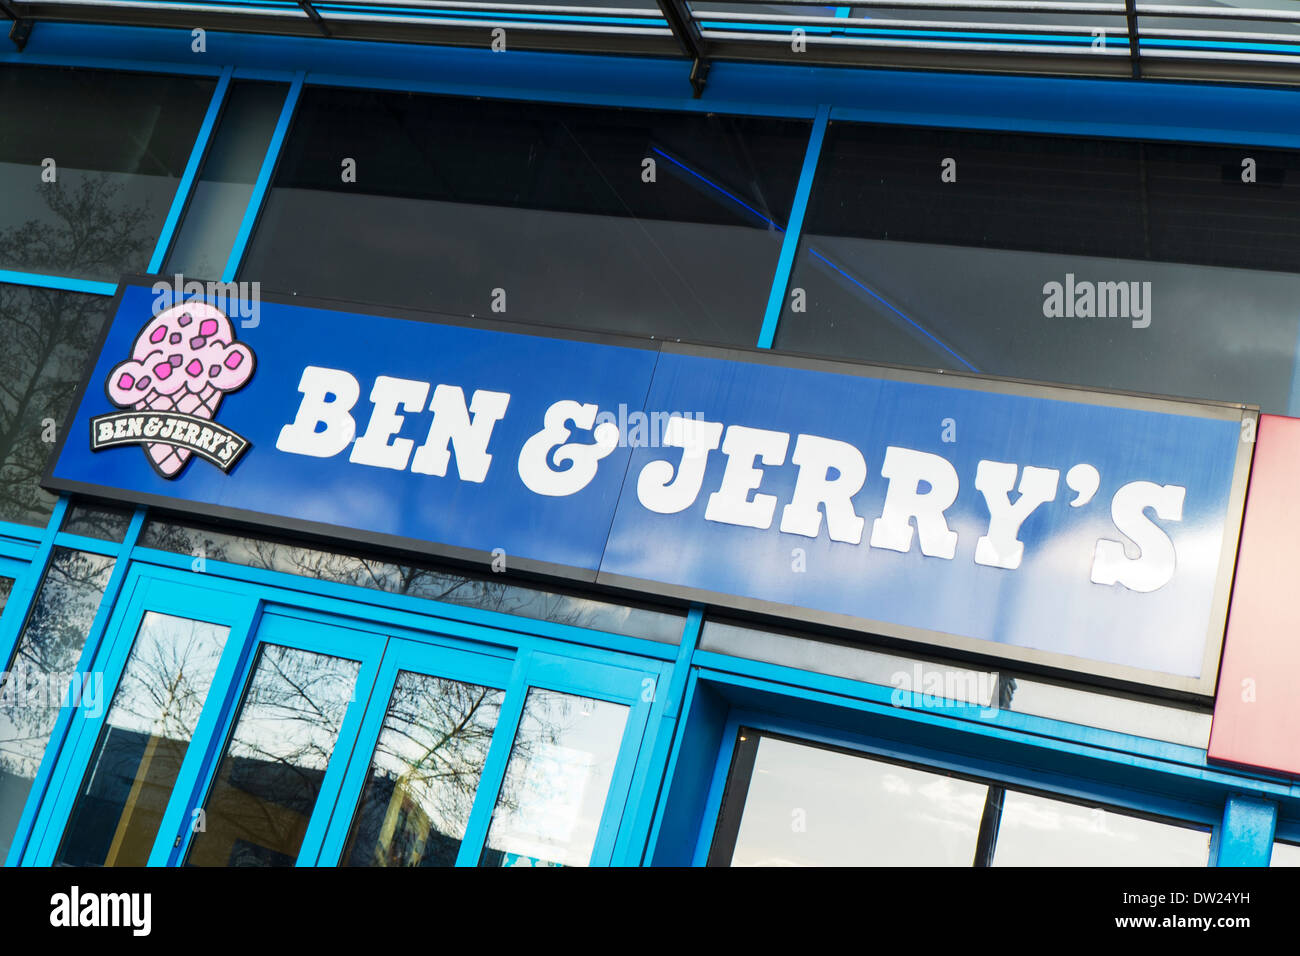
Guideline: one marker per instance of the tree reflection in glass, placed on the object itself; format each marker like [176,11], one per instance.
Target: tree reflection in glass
[145,738]
[560,769]
[434,584]
[105,522]
[35,685]
[47,335]
[274,763]
[424,774]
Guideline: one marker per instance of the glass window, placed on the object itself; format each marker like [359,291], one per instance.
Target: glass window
[794,804]
[47,336]
[216,207]
[1135,266]
[97,211]
[144,741]
[553,796]
[40,678]
[271,772]
[6,588]
[422,582]
[424,774]
[650,223]
[97,521]
[1037,831]
[1285,854]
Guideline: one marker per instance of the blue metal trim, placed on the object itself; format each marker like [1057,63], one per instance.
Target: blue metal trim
[790,244]
[1063,783]
[191,172]
[79,542]
[28,836]
[494,767]
[57,282]
[717,788]
[257,73]
[608,94]
[1246,836]
[209,733]
[17,557]
[1159,110]
[1061,750]
[263,178]
[386,606]
[106,62]
[191,792]
[661,737]
[30,534]
[995,720]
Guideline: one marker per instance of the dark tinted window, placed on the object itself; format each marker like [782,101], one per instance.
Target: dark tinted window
[97,521]
[456,198]
[216,209]
[47,336]
[1174,275]
[119,143]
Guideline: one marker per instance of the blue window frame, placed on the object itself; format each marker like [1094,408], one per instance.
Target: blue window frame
[391,643]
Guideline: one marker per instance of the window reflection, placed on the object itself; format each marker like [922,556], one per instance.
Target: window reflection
[113,182]
[561,764]
[271,772]
[423,582]
[810,806]
[47,336]
[38,678]
[455,197]
[1037,831]
[97,521]
[901,267]
[424,774]
[144,741]
[6,587]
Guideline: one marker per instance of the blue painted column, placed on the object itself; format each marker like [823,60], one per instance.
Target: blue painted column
[790,243]
[1246,838]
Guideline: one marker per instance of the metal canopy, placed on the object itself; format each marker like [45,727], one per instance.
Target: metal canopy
[1208,41]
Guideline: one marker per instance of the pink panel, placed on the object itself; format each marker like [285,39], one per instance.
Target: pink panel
[1257,708]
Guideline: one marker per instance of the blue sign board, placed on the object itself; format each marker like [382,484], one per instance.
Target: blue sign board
[1077,529]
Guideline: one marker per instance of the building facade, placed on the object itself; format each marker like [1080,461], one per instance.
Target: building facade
[468,434]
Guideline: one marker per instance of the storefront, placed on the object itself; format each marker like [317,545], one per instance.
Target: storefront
[430,455]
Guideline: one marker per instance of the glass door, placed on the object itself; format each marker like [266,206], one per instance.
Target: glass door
[474,761]
[305,683]
[230,732]
[409,791]
[146,698]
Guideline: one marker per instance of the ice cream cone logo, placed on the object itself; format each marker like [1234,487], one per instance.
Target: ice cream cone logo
[182,365]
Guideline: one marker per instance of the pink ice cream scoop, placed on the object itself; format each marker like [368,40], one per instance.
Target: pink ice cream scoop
[184,360]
